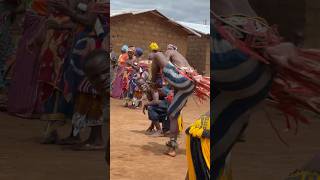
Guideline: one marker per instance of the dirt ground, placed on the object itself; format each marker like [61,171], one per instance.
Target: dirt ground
[264,157]
[137,156]
[23,157]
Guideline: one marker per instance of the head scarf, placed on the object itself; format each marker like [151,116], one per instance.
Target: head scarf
[139,52]
[124,48]
[154,46]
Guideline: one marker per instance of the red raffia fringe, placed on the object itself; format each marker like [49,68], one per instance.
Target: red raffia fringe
[296,86]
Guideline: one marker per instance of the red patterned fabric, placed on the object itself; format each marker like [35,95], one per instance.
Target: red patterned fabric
[53,53]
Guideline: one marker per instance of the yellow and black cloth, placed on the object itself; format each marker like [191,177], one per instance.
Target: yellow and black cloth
[198,149]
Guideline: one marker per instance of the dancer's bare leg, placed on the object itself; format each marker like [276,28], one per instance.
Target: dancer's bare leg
[172,144]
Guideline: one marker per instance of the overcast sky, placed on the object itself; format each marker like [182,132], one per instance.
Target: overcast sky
[196,11]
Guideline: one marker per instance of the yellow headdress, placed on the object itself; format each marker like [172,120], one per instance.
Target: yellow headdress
[154,46]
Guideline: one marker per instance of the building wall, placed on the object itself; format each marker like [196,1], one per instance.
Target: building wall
[142,29]
[198,53]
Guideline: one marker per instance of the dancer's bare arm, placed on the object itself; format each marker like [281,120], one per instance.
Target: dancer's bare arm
[154,70]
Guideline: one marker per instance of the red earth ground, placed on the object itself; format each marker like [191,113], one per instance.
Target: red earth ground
[137,156]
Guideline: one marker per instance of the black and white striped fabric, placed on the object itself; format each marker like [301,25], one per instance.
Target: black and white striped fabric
[184,87]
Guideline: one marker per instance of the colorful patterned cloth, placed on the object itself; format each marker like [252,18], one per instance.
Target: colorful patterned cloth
[77,88]
[51,59]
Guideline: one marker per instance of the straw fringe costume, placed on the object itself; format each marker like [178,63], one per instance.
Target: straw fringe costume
[251,63]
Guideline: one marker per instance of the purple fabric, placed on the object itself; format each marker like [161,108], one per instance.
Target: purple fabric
[118,84]
[22,91]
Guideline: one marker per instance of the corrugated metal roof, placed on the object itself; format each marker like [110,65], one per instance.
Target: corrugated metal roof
[201,28]
[190,30]
[128,11]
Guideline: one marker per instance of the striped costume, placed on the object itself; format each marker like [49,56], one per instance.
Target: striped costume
[240,83]
[183,86]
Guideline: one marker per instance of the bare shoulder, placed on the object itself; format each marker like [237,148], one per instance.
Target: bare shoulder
[159,55]
[169,52]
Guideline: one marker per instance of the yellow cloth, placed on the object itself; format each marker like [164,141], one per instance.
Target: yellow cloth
[205,146]
[196,130]
[191,172]
[154,46]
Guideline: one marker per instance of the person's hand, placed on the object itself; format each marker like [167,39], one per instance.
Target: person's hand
[145,107]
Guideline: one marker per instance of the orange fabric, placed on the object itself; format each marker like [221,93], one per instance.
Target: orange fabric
[122,59]
[40,6]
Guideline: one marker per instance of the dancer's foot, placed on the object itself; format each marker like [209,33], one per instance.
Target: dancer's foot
[172,146]
[149,131]
[171,152]
[157,133]
[150,128]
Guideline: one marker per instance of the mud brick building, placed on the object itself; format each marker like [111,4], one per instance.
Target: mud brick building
[141,27]
[198,53]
